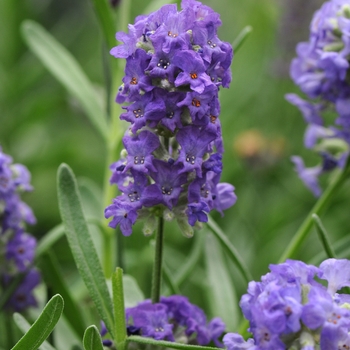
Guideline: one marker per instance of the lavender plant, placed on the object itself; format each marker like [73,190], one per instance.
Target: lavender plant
[321,70]
[17,247]
[171,165]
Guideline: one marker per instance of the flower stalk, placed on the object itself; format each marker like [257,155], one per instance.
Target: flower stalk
[158,262]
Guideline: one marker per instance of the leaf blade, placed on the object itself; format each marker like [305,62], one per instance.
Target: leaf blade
[43,326]
[82,246]
[92,339]
[63,66]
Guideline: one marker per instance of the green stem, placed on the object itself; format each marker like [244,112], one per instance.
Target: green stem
[323,236]
[158,258]
[230,250]
[120,251]
[320,205]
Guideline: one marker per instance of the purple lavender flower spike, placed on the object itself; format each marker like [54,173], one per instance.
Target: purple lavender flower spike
[175,64]
[174,318]
[320,70]
[289,307]
[17,248]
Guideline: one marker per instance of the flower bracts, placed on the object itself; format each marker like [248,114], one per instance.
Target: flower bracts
[17,248]
[175,65]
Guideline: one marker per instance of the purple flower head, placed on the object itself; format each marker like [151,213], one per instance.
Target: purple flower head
[175,64]
[290,306]
[174,318]
[234,341]
[17,248]
[320,70]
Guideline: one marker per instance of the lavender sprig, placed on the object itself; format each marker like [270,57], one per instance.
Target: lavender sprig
[321,70]
[175,65]
[17,248]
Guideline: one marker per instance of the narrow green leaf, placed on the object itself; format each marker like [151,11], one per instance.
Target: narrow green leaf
[195,254]
[132,292]
[220,290]
[43,326]
[54,279]
[50,238]
[167,344]
[92,339]
[323,235]
[319,206]
[66,70]
[174,288]
[119,309]
[82,246]
[241,38]
[24,326]
[106,20]
[230,250]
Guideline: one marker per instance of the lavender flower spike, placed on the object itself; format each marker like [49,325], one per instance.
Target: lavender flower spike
[17,248]
[175,65]
[321,70]
[290,309]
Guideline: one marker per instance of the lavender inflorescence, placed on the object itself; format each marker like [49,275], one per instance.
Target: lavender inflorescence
[174,318]
[291,309]
[321,70]
[171,165]
[17,248]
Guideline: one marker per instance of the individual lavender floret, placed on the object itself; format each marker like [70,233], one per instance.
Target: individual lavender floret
[17,248]
[290,309]
[174,318]
[175,65]
[321,70]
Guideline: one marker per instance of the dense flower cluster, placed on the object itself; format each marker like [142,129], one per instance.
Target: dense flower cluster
[17,248]
[175,65]
[321,70]
[174,318]
[290,309]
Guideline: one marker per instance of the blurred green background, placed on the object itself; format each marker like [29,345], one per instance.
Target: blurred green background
[42,126]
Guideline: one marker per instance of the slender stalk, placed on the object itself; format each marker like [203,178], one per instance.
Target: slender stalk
[320,205]
[158,259]
[108,252]
[120,250]
[323,236]
[174,288]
